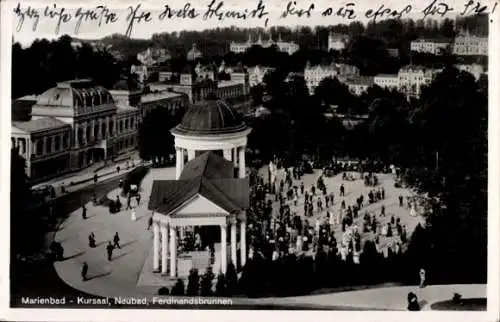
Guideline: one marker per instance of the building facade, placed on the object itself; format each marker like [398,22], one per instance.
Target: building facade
[256,74]
[283,46]
[389,81]
[430,45]
[313,75]
[359,84]
[412,78]
[475,69]
[74,125]
[337,41]
[466,44]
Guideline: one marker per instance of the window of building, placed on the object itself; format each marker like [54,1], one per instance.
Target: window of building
[126,124]
[49,144]
[57,142]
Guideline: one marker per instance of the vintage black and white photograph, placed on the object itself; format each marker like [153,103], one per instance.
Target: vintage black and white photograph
[249,156]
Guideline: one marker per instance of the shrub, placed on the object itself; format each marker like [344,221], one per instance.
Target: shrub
[163,291]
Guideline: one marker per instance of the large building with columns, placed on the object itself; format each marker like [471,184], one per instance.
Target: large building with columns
[72,126]
[211,189]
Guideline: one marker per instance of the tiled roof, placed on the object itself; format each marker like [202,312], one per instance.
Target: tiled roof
[208,175]
[43,124]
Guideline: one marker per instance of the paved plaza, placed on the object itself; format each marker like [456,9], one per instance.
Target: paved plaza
[121,276]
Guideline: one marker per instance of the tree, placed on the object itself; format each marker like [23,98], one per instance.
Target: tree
[193,287]
[231,279]
[19,187]
[220,287]
[178,288]
[206,282]
[157,124]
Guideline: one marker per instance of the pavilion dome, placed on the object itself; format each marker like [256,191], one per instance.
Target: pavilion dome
[210,117]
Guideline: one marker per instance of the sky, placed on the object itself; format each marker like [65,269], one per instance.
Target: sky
[26,29]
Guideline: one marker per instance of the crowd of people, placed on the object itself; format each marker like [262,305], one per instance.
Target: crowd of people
[311,218]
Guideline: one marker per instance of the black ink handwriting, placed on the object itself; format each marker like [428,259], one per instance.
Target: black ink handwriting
[383,12]
[60,14]
[23,13]
[435,8]
[473,7]
[291,10]
[100,14]
[186,12]
[215,10]
[136,15]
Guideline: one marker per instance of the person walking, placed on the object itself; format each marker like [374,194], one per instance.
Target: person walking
[400,201]
[342,190]
[129,201]
[84,212]
[92,240]
[85,269]
[422,278]
[109,249]
[150,223]
[116,241]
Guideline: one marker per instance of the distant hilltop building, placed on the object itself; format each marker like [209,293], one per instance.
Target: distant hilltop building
[475,69]
[435,46]
[193,53]
[409,80]
[337,41]
[141,71]
[152,56]
[313,75]
[256,74]
[466,44]
[283,46]
[359,84]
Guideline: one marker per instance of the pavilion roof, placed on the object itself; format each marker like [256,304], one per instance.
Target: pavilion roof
[208,175]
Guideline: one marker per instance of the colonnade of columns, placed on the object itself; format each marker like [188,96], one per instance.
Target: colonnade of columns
[165,235]
[236,154]
[29,146]
[95,129]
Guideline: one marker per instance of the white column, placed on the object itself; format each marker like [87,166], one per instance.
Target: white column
[92,130]
[164,248]
[243,243]
[107,127]
[223,248]
[242,166]
[179,162]
[29,149]
[173,252]
[227,154]
[33,146]
[84,136]
[191,154]
[156,246]
[235,157]
[114,125]
[99,129]
[234,256]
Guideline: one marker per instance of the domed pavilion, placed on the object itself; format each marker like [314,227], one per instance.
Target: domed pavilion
[207,190]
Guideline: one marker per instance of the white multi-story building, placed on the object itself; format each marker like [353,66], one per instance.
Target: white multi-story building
[412,78]
[284,46]
[430,45]
[152,56]
[193,53]
[389,81]
[141,71]
[256,74]
[359,84]
[313,75]
[475,69]
[466,44]
[337,41]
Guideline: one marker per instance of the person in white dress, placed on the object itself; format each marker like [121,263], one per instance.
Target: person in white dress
[134,218]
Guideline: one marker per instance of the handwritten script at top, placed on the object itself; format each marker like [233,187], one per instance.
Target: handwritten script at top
[218,11]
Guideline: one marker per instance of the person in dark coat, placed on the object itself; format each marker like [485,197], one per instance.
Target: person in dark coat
[400,201]
[413,302]
[116,241]
[342,190]
[85,269]
[84,212]
[109,249]
[118,204]
[92,240]
[150,223]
